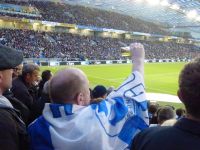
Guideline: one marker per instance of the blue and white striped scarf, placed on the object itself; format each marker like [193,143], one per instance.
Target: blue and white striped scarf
[108,125]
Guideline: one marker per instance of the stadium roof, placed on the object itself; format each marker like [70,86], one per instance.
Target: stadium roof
[176,15]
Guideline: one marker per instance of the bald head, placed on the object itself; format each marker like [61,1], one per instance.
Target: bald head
[70,86]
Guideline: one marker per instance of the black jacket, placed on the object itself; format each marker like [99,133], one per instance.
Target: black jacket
[18,105]
[27,95]
[23,92]
[184,135]
[13,134]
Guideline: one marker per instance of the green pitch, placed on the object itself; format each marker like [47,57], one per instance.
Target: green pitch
[159,77]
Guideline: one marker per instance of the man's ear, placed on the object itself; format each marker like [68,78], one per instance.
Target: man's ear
[27,76]
[1,77]
[80,99]
[104,96]
[180,95]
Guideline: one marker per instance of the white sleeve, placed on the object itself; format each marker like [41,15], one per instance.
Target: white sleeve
[124,112]
[132,88]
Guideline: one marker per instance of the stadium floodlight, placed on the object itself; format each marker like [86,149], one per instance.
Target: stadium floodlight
[192,14]
[164,3]
[153,2]
[198,18]
[175,7]
[113,7]
[139,1]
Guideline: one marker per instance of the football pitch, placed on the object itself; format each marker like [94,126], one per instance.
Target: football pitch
[159,77]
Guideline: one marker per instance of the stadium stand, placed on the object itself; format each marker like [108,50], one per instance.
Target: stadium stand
[73,47]
[50,45]
[64,46]
[81,15]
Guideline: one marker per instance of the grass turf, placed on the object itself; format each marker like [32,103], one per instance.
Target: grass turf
[159,77]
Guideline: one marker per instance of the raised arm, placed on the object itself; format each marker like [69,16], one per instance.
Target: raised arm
[124,112]
[138,54]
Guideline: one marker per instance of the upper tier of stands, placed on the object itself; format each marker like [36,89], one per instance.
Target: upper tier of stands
[81,15]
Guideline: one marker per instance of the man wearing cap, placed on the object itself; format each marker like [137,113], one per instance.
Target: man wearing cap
[12,129]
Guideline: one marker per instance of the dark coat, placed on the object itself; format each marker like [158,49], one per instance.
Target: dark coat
[23,92]
[41,85]
[18,105]
[27,95]
[184,135]
[13,134]
[41,103]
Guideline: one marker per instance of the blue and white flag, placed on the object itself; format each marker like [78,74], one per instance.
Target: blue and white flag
[108,125]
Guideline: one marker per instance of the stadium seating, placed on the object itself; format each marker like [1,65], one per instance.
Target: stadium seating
[74,47]
[81,15]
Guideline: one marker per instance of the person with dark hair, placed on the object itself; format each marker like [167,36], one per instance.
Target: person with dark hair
[165,113]
[70,122]
[23,88]
[185,133]
[99,93]
[180,112]
[46,76]
[153,107]
[17,71]
[13,135]
[44,98]
[172,107]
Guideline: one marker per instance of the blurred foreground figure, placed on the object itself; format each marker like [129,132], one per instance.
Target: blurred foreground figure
[71,123]
[185,134]
[13,135]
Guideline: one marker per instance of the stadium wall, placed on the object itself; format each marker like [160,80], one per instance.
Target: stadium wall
[58,62]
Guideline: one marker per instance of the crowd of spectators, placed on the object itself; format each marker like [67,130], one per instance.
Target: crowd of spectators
[17,9]
[28,94]
[11,14]
[81,15]
[16,2]
[69,105]
[75,47]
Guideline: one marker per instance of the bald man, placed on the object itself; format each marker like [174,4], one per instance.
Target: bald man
[71,123]
[78,93]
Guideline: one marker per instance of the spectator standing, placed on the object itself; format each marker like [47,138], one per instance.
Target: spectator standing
[113,122]
[46,76]
[13,135]
[99,93]
[24,88]
[185,134]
